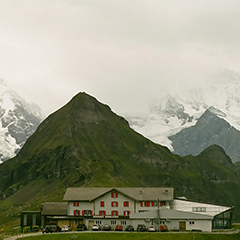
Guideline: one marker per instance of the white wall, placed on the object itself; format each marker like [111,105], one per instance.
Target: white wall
[188,206]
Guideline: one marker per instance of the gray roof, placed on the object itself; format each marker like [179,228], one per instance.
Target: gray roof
[136,193]
[170,214]
[54,208]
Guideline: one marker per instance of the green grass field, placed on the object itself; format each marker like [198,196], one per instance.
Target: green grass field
[135,236]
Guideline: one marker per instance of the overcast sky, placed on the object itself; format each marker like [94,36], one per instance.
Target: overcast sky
[123,52]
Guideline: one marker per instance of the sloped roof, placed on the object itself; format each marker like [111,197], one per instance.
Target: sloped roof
[54,208]
[170,214]
[138,194]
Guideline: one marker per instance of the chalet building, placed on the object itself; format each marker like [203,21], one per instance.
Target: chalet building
[133,206]
[143,206]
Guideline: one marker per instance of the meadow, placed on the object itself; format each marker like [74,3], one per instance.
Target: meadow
[135,236]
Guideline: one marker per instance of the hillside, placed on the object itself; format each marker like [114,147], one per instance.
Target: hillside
[85,144]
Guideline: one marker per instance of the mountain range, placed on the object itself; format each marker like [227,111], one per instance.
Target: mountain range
[18,121]
[84,143]
[175,119]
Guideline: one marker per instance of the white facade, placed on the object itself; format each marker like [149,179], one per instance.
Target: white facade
[133,206]
[200,208]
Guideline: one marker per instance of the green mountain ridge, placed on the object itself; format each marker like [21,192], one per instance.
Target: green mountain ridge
[85,144]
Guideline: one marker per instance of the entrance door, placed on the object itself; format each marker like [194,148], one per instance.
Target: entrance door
[90,224]
[182,226]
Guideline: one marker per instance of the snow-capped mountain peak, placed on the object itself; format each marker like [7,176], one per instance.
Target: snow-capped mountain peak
[181,108]
[19,120]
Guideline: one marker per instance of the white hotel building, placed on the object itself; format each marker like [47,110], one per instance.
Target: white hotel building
[133,206]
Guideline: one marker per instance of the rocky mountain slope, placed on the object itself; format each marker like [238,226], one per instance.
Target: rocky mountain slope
[182,108]
[209,129]
[85,144]
[19,120]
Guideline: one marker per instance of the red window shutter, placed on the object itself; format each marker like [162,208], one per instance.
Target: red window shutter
[78,204]
[116,194]
[161,203]
[74,204]
[99,213]
[124,213]
[112,213]
[104,213]
[83,212]
[116,204]
[79,213]
[124,204]
[141,204]
[102,204]
[127,204]
[152,204]
[147,204]
[111,204]
[91,213]
[129,212]
[112,195]
[116,213]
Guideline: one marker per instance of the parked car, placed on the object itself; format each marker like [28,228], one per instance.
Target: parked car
[51,229]
[81,227]
[163,228]
[35,229]
[57,229]
[129,228]
[66,229]
[106,227]
[141,228]
[152,228]
[96,227]
[118,227]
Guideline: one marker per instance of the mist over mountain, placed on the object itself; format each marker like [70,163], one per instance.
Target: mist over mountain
[182,108]
[19,120]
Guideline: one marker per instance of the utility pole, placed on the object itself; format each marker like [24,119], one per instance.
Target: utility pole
[158,213]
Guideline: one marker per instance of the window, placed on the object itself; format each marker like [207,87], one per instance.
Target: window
[76,204]
[114,213]
[123,222]
[87,212]
[191,222]
[126,213]
[113,222]
[143,210]
[162,222]
[163,203]
[34,219]
[102,213]
[76,212]
[114,204]
[114,195]
[102,204]
[147,204]
[126,204]
[199,209]
[98,222]
[25,220]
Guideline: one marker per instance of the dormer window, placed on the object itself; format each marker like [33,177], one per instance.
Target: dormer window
[114,195]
